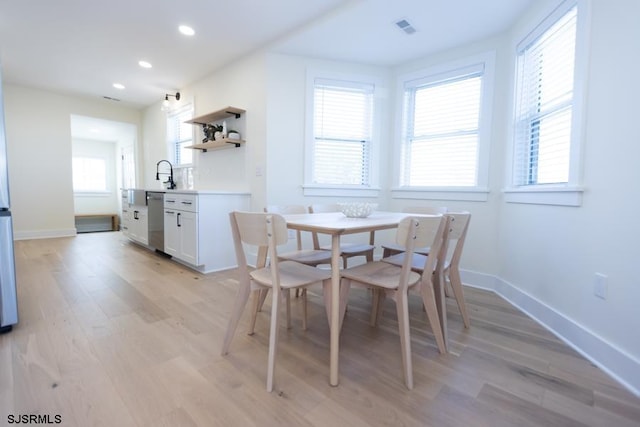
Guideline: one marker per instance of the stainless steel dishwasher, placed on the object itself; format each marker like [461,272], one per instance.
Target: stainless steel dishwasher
[155,205]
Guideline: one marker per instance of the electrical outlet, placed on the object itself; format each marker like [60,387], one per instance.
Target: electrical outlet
[600,286]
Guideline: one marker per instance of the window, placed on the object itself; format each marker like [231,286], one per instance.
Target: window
[180,135]
[441,126]
[547,111]
[444,144]
[340,138]
[89,174]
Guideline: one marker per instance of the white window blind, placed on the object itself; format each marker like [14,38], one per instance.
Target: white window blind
[544,104]
[441,130]
[180,134]
[342,127]
[89,174]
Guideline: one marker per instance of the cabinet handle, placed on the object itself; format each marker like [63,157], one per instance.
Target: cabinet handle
[170,201]
[187,203]
[169,212]
[178,220]
[135,215]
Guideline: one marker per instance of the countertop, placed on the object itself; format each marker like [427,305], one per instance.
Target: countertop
[181,191]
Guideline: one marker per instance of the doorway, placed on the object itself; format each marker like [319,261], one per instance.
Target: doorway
[104,162]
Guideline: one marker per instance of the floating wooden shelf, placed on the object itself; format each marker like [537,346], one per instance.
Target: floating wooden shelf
[217,116]
[217,145]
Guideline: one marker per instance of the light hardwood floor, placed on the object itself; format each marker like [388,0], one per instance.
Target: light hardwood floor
[111,334]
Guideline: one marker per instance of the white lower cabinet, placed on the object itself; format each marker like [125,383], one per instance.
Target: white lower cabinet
[135,223]
[197,231]
[181,235]
[139,225]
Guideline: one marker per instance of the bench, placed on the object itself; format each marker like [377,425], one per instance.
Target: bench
[87,223]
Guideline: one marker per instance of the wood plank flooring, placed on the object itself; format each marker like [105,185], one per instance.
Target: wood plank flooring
[112,334]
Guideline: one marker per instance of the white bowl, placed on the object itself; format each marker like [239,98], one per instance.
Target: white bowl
[357,209]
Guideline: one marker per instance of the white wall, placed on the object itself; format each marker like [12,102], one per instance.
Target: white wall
[242,85]
[98,203]
[550,254]
[38,128]
[481,246]
[286,108]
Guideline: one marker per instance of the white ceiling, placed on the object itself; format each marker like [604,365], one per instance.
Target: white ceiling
[82,47]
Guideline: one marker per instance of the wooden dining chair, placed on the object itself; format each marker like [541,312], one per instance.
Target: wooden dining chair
[448,266]
[347,250]
[265,230]
[389,249]
[395,282]
[313,257]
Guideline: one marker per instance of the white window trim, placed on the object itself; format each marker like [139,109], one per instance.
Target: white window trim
[479,192]
[106,193]
[569,194]
[171,145]
[373,189]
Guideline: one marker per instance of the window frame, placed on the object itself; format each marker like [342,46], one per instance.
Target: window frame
[441,72]
[561,194]
[309,187]
[171,145]
[107,176]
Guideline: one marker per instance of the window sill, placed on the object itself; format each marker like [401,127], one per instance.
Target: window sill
[92,193]
[545,195]
[472,194]
[340,191]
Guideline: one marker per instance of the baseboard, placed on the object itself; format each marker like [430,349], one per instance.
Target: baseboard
[43,234]
[620,365]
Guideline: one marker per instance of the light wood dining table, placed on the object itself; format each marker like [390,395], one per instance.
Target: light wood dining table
[336,224]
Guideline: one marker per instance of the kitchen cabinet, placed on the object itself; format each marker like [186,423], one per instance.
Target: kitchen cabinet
[135,218]
[181,227]
[197,231]
[139,226]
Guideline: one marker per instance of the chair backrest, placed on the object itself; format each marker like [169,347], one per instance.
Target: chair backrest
[289,210]
[286,209]
[418,232]
[250,228]
[426,210]
[457,231]
[324,207]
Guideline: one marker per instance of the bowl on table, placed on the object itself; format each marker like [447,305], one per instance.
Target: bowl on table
[357,209]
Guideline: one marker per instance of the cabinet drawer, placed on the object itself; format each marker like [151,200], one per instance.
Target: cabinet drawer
[183,202]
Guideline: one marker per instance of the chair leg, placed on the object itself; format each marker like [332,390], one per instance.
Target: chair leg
[402,308]
[376,306]
[273,340]
[429,301]
[263,296]
[242,296]
[304,307]
[257,297]
[287,297]
[456,285]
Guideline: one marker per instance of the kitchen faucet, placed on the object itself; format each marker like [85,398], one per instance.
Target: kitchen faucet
[170,181]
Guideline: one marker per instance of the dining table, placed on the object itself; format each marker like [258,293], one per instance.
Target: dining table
[336,224]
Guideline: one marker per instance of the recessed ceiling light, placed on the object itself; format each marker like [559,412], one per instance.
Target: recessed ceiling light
[186,30]
[144,64]
[118,86]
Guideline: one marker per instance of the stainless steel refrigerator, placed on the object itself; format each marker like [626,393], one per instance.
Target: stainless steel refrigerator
[8,299]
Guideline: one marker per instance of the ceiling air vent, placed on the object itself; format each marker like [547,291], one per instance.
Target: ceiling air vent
[110,98]
[405,26]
